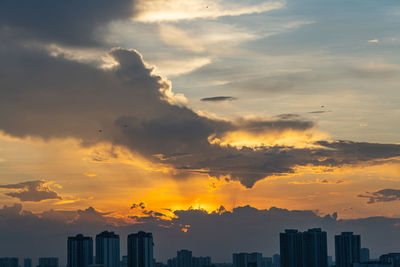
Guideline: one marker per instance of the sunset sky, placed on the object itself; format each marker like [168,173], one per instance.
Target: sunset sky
[140,113]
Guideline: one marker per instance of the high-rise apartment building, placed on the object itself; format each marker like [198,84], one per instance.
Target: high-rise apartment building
[80,251]
[107,249]
[364,255]
[291,248]
[27,262]
[307,249]
[247,259]
[140,250]
[266,262]
[184,258]
[276,260]
[314,248]
[347,249]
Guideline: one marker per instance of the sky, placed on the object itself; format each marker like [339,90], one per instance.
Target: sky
[205,122]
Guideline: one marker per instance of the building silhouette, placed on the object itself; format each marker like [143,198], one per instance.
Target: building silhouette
[391,258]
[27,262]
[330,260]
[347,249]
[291,248]
[140,250]
[172,262]
[201,261]
[364,255]
[276,260]
[254,259]
[9,262]
[107,249]
[184,258]
[266,262]
[80,251]
[247,259]
[48,262]
[386,260]
[372,264]
[307,249]
[239,259]
[124,261]
[314,248]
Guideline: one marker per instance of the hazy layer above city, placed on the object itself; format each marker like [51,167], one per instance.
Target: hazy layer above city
[217,234]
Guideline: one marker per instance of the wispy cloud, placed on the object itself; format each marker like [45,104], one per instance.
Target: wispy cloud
[175,10]
[173,68]
[319,111]
[218,98]
[384,195]
[174,36]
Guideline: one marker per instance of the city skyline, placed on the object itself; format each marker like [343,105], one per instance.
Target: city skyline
[297,249]
[205,239]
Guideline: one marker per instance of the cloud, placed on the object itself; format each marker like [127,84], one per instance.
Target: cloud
[34,191]
[382,69]
[129,105]
[319,111]
[218,98]
[318,181]
[288,116]
[375,41]
[177,37]
[70,22]
[384,195]
[137,206]
[173,68]
[175,10]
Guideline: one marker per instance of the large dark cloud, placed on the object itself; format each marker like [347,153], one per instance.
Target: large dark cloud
[34,191]
[384,195]
[71,22]
[51,96]
[130,106]
[217,234]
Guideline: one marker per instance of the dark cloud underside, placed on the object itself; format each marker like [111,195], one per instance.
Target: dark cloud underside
[72,22]
[34,191]
[384,195]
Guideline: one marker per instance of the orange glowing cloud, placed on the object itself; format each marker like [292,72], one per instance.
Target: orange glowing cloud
[269,138]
